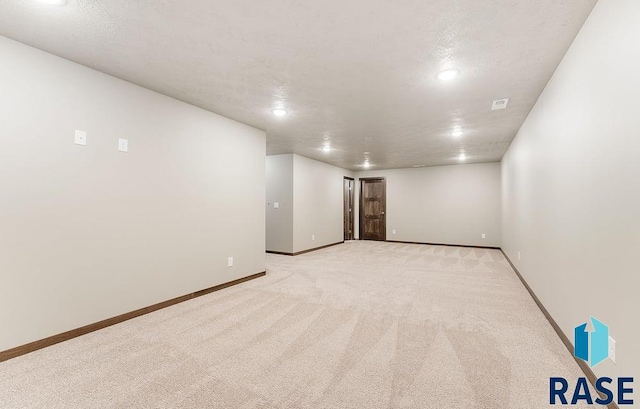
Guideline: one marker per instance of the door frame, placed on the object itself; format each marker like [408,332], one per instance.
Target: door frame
[352,197]
[361,207]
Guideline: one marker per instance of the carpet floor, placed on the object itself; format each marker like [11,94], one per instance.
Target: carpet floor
[359,325]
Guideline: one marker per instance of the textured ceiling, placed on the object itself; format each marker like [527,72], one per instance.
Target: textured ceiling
[359,73]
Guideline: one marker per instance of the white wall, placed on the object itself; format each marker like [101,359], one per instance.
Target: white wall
[571,185]
[87,232]
[442,204]
[280,190]
[318,203]
[311,203]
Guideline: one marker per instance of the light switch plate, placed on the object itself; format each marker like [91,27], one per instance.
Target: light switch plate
[276,205]
[81,137]
[484,236]
[123,145]
[230,262]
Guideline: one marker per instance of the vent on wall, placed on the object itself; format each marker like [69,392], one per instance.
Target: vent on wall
[499,104]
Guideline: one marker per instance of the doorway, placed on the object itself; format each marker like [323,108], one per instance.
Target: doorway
[373,204]
[348,208]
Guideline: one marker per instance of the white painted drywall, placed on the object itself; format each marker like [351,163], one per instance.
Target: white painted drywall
[310,194]
[87,232]
[318,194]
[442,204]
[280,190]
[571,185]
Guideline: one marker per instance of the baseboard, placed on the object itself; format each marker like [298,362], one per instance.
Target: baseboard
[318,248]
[567,343]
[281,253]
[304,251]
[74,333]
[443,244]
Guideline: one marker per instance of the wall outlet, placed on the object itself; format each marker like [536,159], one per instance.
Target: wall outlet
[230,262]
[313,237]
[612,350]
[484,236]
[394,231]
[123,145]
[80,138]
[518,255]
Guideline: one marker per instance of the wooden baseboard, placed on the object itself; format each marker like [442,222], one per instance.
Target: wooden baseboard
[304,251]
[281,253]
[443,244]
[65,336]
[567,343]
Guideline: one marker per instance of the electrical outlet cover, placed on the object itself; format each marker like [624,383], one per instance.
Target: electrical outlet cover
[123,145]
[612,350]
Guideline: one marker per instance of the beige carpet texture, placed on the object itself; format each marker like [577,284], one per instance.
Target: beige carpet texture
[358,325]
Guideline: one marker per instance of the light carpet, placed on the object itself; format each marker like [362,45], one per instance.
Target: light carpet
[359,325]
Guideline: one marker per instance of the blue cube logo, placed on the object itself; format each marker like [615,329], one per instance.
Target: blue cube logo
[591,347]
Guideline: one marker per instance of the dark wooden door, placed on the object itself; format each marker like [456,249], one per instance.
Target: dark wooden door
[373,204]
[348,208]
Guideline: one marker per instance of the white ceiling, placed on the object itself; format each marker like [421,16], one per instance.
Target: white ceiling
[358,73]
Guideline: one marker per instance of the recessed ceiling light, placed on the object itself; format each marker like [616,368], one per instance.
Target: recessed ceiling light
[419,166]
[447,75]
[366,165]
[457,132]
[462,157]
[326,148]
[54,2]
[279,112]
